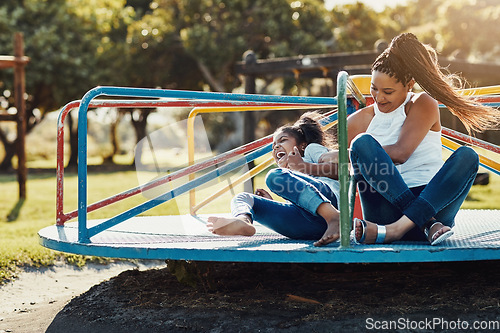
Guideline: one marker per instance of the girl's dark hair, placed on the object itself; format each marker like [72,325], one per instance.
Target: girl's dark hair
[308,130]
[407,58]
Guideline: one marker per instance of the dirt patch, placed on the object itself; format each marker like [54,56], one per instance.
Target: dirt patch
[244,297]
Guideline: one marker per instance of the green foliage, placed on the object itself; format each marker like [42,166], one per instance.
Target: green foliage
[469,26]
[356,28]
[66,42]
[75,45]
[216,33]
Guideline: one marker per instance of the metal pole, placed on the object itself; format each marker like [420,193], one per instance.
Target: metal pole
[249,124]
[20,84]
[345,225]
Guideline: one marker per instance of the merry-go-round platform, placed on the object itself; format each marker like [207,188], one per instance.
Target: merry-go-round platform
[185,237]
[133,235]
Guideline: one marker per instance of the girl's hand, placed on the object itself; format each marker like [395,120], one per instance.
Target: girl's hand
[295,161]
[283,162]
[263,193]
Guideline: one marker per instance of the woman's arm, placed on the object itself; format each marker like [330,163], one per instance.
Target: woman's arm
[358,122]
[422,117]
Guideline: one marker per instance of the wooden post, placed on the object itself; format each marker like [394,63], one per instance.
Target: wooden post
[248,117]
[19,91]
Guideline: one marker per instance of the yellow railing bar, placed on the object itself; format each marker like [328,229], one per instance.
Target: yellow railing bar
[363,83]
[491,90]
[486,161]
[196,111]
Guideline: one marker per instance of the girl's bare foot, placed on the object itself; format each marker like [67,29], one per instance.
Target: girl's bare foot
[331,234]
[230,226]
[331,216]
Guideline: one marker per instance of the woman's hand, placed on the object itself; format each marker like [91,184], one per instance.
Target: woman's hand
[263,193]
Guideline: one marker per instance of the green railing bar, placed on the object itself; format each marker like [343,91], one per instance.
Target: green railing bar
[345,224]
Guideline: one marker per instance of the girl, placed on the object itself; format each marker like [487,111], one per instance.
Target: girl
[305,178]
[406,191]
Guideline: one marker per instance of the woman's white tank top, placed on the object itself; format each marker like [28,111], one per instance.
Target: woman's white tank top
[425,161]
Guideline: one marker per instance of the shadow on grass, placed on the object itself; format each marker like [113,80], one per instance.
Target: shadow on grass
[14,213]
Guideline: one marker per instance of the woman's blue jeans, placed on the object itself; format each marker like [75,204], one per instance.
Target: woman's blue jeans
[385,197]
[296,218]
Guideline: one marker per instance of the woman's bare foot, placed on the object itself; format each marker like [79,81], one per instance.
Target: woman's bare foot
[230,226]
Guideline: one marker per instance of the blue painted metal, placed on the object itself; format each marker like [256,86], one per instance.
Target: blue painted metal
[492,104]
[156,93]
[477,237]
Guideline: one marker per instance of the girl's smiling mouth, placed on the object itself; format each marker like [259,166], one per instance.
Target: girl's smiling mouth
[280,155]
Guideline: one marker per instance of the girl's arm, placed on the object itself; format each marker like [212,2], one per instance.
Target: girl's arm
[327,165]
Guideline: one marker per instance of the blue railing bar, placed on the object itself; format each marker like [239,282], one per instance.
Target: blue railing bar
[83,235]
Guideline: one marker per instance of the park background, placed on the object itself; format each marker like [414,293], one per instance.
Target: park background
[75,45]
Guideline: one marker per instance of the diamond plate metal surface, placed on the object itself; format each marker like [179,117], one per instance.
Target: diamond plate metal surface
[477,237]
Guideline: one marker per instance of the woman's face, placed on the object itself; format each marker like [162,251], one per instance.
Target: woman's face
[283,144]
[388,92]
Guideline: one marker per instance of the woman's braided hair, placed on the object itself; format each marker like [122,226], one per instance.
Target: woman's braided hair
[407,58]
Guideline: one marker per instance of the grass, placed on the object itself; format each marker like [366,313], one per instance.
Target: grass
[20,221]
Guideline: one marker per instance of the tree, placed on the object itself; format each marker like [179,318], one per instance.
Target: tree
[470,27]
[357,28]
[216,33]
[69,43]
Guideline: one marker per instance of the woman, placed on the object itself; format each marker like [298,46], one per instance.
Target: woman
[406,191]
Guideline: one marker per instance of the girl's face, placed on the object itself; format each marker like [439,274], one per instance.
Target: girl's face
[283,144]
[388,92]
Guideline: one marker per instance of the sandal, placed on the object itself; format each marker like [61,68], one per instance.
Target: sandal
[444,236]
[381,232]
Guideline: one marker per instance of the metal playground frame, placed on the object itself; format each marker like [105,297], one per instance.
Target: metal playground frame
[127,235]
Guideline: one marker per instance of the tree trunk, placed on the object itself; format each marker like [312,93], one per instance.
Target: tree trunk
[10,152]
[216,85]
[139,121]
[73,141]
[113,126]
